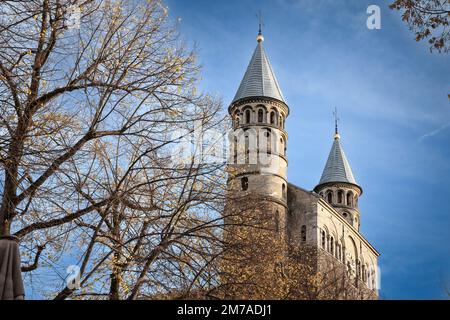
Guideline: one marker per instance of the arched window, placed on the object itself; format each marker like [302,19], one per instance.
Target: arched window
[364,276]
[372,280]
[269,141]
[277,221]
[260,115]
[283,190]
[331,247]
[323,238]
[247,116]
[303,233]
[350,198]
[272,117]
[244,183]
[247,148]
[340,196]
[330,197]
[236,119]
[235,149]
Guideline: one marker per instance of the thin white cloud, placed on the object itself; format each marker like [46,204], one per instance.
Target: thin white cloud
[434,132]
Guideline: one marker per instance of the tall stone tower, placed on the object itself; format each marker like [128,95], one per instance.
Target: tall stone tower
[258,163]
[256,209]
[338,186]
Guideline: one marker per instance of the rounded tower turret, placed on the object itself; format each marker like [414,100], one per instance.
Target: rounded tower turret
[258,164]
[256,210]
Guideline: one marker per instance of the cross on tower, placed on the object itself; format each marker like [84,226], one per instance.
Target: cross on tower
[260,21]
[336,120]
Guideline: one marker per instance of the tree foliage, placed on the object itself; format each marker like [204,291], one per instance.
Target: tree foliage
[89,119]
[429,19]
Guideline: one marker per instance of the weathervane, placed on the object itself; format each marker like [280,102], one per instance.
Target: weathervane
[260,37]
[260,21]
[336,121]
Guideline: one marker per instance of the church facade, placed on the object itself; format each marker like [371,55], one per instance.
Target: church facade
[326,220]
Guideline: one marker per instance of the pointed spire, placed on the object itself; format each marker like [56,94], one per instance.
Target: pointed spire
[259,79]
[337,168]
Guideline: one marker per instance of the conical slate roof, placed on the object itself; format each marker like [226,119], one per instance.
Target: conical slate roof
[337,168]
[259,79]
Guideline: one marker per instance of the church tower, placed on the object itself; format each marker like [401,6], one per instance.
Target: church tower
[257,163]
[338,185]
[256,210]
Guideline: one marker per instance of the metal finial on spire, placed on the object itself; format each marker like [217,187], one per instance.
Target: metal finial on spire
[336,121]
[260,37]
[259,21]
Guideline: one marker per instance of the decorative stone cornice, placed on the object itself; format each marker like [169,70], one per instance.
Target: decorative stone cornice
[338,185]
[262,100]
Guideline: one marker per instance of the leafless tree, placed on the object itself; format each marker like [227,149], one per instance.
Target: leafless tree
[91,111]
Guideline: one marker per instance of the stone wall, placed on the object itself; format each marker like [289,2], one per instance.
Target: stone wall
[334,237]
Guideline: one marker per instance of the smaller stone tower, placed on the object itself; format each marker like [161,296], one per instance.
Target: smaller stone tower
[338,185]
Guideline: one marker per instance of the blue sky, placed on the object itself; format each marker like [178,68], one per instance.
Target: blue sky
[395,115]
